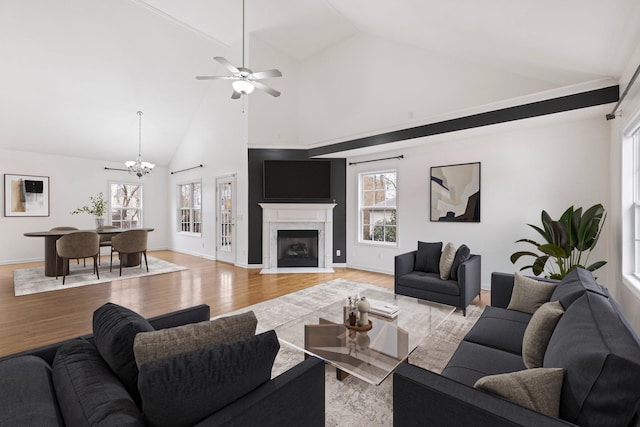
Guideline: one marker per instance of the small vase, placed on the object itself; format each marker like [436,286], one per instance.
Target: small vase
[99,223]
[363,308]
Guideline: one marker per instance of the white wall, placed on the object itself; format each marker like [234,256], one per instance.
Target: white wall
[216,139]
[71,182]
[368,84]
[545,163]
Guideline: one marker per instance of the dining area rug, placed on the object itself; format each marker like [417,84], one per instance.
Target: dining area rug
[29,281]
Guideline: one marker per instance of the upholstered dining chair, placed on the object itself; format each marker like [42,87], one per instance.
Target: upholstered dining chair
[129,243]
[69,228]
[105,239]
[81,244]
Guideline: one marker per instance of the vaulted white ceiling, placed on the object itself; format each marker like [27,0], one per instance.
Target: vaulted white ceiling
[75,72]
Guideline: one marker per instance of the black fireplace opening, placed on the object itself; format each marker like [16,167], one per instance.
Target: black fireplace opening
[297,248]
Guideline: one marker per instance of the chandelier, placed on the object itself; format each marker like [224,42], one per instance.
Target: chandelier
[139,167]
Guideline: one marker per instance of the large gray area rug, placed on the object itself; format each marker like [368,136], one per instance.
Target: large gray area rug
[353,402]
[32,280]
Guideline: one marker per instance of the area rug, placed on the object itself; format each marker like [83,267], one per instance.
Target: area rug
[352,401]
[32,280]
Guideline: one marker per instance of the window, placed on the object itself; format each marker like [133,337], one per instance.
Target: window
[126,205]
[378,211]
[190,207]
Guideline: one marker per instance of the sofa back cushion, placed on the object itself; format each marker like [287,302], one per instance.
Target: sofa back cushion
[186,388]
[574,284]
[114,329]
[601,361]
[89,393]
[428,257]
[462,254]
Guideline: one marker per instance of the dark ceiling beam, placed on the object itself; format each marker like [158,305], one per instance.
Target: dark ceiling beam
[525,111]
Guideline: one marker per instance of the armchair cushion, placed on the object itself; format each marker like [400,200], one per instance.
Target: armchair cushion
[529,294]
[429,281]
[428,257]
[462,254]
[446,260]
[186,388]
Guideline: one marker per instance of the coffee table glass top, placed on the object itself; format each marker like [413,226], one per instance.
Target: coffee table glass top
[371,355]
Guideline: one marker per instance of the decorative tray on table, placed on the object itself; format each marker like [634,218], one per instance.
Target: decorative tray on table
[357,328]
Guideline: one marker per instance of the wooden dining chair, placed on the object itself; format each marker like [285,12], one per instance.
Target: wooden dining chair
[80,244]
[129,243]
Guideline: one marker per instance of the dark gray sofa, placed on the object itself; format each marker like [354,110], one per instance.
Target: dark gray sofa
[44,385]
[458,291]
[592,342]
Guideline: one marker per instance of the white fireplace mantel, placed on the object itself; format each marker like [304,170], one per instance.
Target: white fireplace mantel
[300,216]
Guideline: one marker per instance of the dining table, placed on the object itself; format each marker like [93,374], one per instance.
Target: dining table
[51,257]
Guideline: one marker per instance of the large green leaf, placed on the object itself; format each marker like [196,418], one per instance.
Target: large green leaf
[553,250]
[516,256]
[596,265]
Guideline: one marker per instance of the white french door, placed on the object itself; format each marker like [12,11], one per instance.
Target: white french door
[225,218]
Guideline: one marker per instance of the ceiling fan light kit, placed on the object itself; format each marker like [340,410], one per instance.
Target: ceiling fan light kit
[244,80]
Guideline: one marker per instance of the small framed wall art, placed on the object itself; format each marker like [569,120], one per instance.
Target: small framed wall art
[26,195]
[455,193]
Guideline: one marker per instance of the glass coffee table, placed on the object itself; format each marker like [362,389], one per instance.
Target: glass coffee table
[369,355]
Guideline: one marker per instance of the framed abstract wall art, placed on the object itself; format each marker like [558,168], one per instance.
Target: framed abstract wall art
[455,193]
[26,195]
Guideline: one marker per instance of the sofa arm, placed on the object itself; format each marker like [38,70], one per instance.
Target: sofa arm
[422,397]
[470,278]
[295,397]
[404,264]
[501,289]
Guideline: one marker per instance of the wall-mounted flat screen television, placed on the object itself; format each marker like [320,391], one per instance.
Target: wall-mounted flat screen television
[297,179]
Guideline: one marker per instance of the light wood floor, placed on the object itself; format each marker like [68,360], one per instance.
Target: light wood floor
[34,320]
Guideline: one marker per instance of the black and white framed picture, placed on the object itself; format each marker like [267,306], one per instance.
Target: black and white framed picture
[26,195]
[455,193]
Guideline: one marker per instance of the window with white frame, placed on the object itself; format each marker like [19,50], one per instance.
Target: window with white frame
[125,202]
[377,207]
[190,207]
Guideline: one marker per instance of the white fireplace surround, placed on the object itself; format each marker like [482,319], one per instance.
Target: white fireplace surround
[297,216]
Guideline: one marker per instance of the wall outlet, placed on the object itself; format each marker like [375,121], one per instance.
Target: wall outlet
[337,252]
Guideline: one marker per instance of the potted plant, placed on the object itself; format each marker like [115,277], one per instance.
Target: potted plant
[97,207]
[568,242]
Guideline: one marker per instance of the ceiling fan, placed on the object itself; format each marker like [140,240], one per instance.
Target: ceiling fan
[244,81]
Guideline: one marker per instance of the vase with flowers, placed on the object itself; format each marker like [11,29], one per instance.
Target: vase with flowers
[97,207]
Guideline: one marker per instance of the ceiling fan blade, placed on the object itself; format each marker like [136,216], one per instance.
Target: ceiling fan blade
[226,64]
[215,77]
[265,88]
[235,95]
[267,74]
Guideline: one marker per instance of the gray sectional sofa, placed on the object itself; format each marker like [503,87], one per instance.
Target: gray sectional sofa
[592,342]
[96,380]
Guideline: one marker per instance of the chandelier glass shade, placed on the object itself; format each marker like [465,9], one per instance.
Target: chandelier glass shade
[242,86]
[138,166]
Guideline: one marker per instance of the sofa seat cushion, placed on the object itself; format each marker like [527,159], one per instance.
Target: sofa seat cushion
[186,388]
[574,285]
[429,281]
[601,359]
[114,329]
[501,329]
[90,394]
[472,361]
[27,395]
